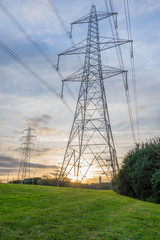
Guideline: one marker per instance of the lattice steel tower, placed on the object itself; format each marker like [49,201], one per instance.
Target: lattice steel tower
[26,146]
[91,140]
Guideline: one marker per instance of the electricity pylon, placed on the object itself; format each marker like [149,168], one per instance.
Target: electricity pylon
[91,138]
[26,146]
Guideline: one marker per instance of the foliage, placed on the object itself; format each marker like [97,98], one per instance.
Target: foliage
[40,212]
[47,182]
[27,181]
[139,176]
[66,183]
[156,184]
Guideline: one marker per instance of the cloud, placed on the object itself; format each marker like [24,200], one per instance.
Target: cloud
[12,163]
[141,108]
[49,42]
[36,165]
[44,151]
[47,154]
[149,6]
[46,130]
[8,162]
[2,124]
[44,119]
[36,17]
[55,173]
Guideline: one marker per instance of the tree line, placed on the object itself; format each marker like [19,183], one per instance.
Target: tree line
[139,176]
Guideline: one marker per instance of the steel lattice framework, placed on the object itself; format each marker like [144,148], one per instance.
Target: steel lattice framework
[91,138]
[26,146]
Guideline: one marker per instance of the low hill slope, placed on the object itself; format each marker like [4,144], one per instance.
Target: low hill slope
[39,212]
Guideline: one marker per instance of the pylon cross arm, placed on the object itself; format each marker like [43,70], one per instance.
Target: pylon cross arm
[107,72]
[111,72]
[105,43]
[75,77]
[100,16]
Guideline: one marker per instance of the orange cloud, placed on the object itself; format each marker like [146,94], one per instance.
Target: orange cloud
[46,130]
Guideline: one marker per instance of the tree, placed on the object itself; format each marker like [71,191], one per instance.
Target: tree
[139,176]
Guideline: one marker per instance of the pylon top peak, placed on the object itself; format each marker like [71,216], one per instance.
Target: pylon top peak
[92,2]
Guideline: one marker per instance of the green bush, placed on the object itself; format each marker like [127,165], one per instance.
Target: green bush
[155,181]
[139,176]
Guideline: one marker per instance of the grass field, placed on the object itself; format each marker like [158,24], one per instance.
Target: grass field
[40,212]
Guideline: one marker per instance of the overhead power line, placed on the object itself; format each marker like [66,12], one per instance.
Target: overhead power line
[15,21]
[129,33]
[61,22]
[68,34]
[115,34]
[34,43]
[63,26]
[7,50]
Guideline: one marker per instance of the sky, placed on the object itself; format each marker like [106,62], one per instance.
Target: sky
[25,102]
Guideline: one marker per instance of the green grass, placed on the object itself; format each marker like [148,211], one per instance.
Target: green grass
[39,212]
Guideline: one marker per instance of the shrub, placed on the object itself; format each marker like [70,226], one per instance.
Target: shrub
[139,176]
[155,181]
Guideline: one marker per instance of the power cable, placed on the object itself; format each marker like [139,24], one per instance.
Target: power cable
[7,50]
[61,21]
[19,26]
[55,10]
[33,42]
[128,25]
[120,60]
[129,32]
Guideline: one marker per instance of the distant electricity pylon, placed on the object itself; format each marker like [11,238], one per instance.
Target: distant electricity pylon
[91,138]
[26,146]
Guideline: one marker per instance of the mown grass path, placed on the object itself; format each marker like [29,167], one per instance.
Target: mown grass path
[40,212]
